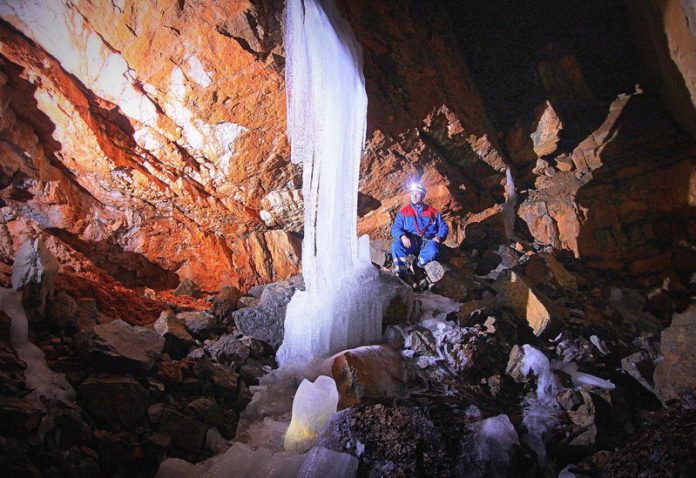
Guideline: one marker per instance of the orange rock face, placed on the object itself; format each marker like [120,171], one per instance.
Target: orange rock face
[152,135]
[148,139]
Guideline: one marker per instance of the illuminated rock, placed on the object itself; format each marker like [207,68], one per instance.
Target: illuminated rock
[312,409]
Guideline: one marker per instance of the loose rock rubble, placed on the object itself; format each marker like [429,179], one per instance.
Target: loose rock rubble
[524,365]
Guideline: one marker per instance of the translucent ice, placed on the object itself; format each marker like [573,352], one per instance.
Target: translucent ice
[239,460]
[540,411]
[321,462]
[327,107]
[494,440]
[582,378]
[312,408]
[536,362]
[487,448]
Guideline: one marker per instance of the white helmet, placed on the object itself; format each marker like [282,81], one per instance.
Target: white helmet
[416,187]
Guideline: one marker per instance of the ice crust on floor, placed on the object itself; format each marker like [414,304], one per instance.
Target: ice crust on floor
[312,408]
[493,443]
[321,462]
[238,461]
[327,108]
[42,380]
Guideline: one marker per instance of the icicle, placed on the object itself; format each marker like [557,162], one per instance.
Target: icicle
[327,108]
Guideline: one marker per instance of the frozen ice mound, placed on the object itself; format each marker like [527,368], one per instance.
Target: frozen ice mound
[321,462]
[238,461]
[312,408]
[488,450]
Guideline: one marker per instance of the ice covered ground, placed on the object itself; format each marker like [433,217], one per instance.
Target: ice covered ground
[44,382]
[259,449]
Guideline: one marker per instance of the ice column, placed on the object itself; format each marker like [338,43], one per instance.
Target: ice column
[327,107]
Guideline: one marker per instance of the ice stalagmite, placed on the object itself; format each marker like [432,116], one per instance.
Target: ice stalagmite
[327,107]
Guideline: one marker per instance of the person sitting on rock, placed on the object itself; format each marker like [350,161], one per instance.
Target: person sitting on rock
[418,229]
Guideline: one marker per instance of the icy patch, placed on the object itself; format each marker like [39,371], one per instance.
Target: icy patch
[312,409]
[584,379]
[264,421]
[322,462]
[494,440]
[239,460]
[197,72]
[536,362]
[346,316]
[540,411]
[45,383]
[435,309]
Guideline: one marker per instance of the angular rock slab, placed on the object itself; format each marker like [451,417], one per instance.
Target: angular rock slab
[267,321]
[177,340]
[367,374]
[674,375]
[119,345]
[541,313]
[111,400]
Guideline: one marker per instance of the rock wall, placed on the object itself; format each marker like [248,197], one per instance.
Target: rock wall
[666,34]
[149,139]
[150,130]
[153,135]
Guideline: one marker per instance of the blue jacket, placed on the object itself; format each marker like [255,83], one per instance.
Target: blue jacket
[419,220]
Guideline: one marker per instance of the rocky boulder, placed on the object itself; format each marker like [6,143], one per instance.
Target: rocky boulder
[5,327]
[228,350]
[674,375]
[368,374]
[188,287]
[266,322]
[225,302]
[200,324]
[387,441]
[177,340]
[63,311]
[187,433]
[119,346]
[113,401]
[541,313]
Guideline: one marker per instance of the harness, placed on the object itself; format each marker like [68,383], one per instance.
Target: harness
[428,212]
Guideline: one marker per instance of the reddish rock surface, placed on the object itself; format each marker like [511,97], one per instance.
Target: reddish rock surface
[149,140]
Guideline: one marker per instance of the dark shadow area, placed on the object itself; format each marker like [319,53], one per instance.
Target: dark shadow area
[637,204]
[507,43]
[367,203]
[129,268]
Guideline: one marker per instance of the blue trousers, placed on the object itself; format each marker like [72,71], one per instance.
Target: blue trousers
[424,249]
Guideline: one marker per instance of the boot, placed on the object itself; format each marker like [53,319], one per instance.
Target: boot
[405,276]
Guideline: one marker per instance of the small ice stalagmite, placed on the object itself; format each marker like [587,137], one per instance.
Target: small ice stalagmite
[312,409]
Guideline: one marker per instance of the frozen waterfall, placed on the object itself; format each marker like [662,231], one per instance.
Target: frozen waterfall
[327,107]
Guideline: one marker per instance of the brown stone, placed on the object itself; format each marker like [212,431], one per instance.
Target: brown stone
[367,375]
[674,375]
[540,312]
[547,134]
